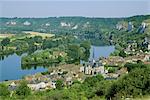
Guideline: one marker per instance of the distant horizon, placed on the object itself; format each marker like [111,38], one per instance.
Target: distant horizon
[77,16]
[59,8]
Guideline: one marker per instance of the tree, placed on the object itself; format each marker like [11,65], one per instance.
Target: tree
[136,83]
[5,41]
[60,59]
[38,39]
[4,90]
[75,52]
[132,66]
[111,70]
[23,89]
[49,44]
[90,83]
[32,48]
[86,45]
[102,87]
[92,80]
[59,84]
[122,54]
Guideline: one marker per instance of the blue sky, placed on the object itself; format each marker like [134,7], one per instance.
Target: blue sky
[87,8]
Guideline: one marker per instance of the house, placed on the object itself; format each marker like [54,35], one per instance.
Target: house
[92,68]
[110,76]
[131,48]
[146,58]
[36,86]
[53,84]
[68,80]
[82,69]
[88,70]
[12,86]
[42,85]
[140,57]
[113,60]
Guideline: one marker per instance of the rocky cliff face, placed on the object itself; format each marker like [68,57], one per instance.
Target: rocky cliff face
[129,26]
[121,25]
[142,27]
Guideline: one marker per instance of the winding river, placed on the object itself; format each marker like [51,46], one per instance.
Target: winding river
[10,67]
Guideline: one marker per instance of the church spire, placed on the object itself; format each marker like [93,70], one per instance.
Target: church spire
[93,56]
[93,52]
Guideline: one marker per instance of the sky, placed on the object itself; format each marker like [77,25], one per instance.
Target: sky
[86,8]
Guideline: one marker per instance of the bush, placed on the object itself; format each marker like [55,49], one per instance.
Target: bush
[122,54]
[4,90]
[111,70]
[134,84]
[131,66]
[23,89]
[59,84]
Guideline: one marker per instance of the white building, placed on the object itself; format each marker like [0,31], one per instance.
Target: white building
[26,23]
[88,70]
[47,24]
[64,24]
[42,85]
[93,68]
[11,23]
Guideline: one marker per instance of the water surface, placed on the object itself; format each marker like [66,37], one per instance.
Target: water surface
[10,67]
[101,51]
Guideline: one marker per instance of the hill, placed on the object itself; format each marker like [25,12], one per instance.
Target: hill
[98,30]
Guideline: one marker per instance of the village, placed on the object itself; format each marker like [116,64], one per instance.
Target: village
[110,68]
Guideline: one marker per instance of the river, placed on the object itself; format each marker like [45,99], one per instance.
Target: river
[10,67]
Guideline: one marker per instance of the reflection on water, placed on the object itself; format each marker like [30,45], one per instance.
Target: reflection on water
[11,69]
[29,67]
[101,51]
[2,58]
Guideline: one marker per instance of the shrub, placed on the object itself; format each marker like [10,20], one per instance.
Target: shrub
[4,90]
[23,89]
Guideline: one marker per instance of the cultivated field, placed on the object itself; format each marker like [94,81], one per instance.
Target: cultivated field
[6,35]
[44,35]
[2,36]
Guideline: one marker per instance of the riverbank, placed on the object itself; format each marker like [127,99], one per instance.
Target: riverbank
[17,72]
